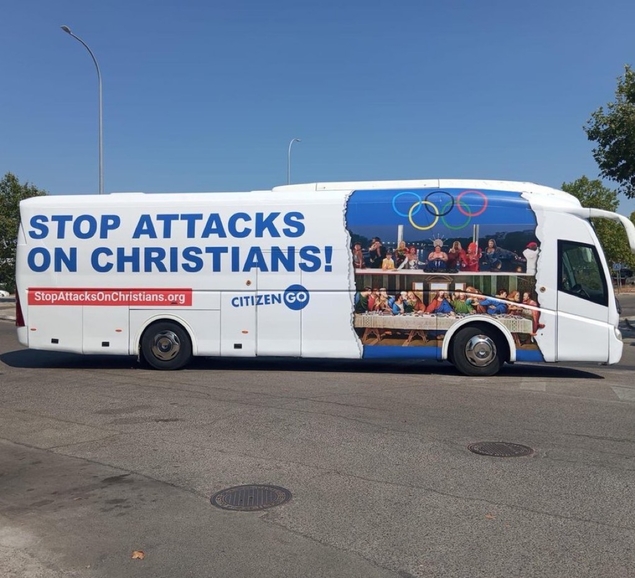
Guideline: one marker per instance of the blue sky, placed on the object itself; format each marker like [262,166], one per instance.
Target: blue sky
[206,95]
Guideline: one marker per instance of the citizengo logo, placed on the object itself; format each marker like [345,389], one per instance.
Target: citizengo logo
[295,297]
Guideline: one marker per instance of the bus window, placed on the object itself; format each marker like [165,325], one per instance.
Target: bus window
[580,272]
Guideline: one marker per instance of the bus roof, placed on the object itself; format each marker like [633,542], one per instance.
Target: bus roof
[496,185]
[547,195]
[541,194]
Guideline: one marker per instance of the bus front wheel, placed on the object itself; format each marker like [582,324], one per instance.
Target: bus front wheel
[477,351]
[166,345]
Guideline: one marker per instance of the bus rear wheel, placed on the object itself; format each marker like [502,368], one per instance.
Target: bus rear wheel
[166,345]
[477,351]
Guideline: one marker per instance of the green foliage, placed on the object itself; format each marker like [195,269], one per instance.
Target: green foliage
[594,194]
[11,193]
[613,130]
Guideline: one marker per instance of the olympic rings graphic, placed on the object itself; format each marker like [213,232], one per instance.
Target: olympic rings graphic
[394,207]
[456,227]
[439,204]
[448,197]
[471,214]
[412,212]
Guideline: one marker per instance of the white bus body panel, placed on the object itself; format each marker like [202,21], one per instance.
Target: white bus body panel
[328,335]
[238,326]
[56,328]
[279,329]
[105,328]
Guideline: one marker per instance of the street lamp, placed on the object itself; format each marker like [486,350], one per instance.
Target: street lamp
[289,160]
[101,152]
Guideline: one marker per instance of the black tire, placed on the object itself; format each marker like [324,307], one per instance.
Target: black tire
[166,345]
[478,351]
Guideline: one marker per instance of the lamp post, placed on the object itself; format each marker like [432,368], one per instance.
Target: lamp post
[101,151]
[289,160]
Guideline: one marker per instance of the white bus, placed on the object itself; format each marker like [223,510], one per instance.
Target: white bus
[478,273]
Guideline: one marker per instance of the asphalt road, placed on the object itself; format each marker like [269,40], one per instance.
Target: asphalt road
[99,458]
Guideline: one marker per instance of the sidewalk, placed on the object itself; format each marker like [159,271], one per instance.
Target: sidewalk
[7,309]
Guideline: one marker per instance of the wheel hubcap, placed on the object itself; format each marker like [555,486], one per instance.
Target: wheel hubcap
[166,345]
[480,350]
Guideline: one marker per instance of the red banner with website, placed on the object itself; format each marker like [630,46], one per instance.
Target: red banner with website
[112,297]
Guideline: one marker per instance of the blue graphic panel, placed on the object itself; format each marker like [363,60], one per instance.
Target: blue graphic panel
[529,355]
[393,351]
[438,213]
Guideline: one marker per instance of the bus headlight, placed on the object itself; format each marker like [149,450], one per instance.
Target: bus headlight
[618,333]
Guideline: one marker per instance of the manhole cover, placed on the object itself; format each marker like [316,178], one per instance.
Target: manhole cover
[500,449]
[250,498]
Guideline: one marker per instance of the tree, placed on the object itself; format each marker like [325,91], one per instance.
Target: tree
[614,132]
[611,234]
[11,193]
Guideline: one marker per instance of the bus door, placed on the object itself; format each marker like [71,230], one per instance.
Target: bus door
[583,297]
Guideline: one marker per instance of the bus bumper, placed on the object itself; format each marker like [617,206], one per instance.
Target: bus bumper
[616,346]
[23,336]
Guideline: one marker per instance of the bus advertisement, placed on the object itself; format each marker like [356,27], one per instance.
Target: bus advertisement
[478,273]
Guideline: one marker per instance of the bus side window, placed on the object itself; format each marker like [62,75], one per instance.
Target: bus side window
[580,272]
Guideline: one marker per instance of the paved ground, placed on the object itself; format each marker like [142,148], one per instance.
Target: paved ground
[7,309]
[99,458]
